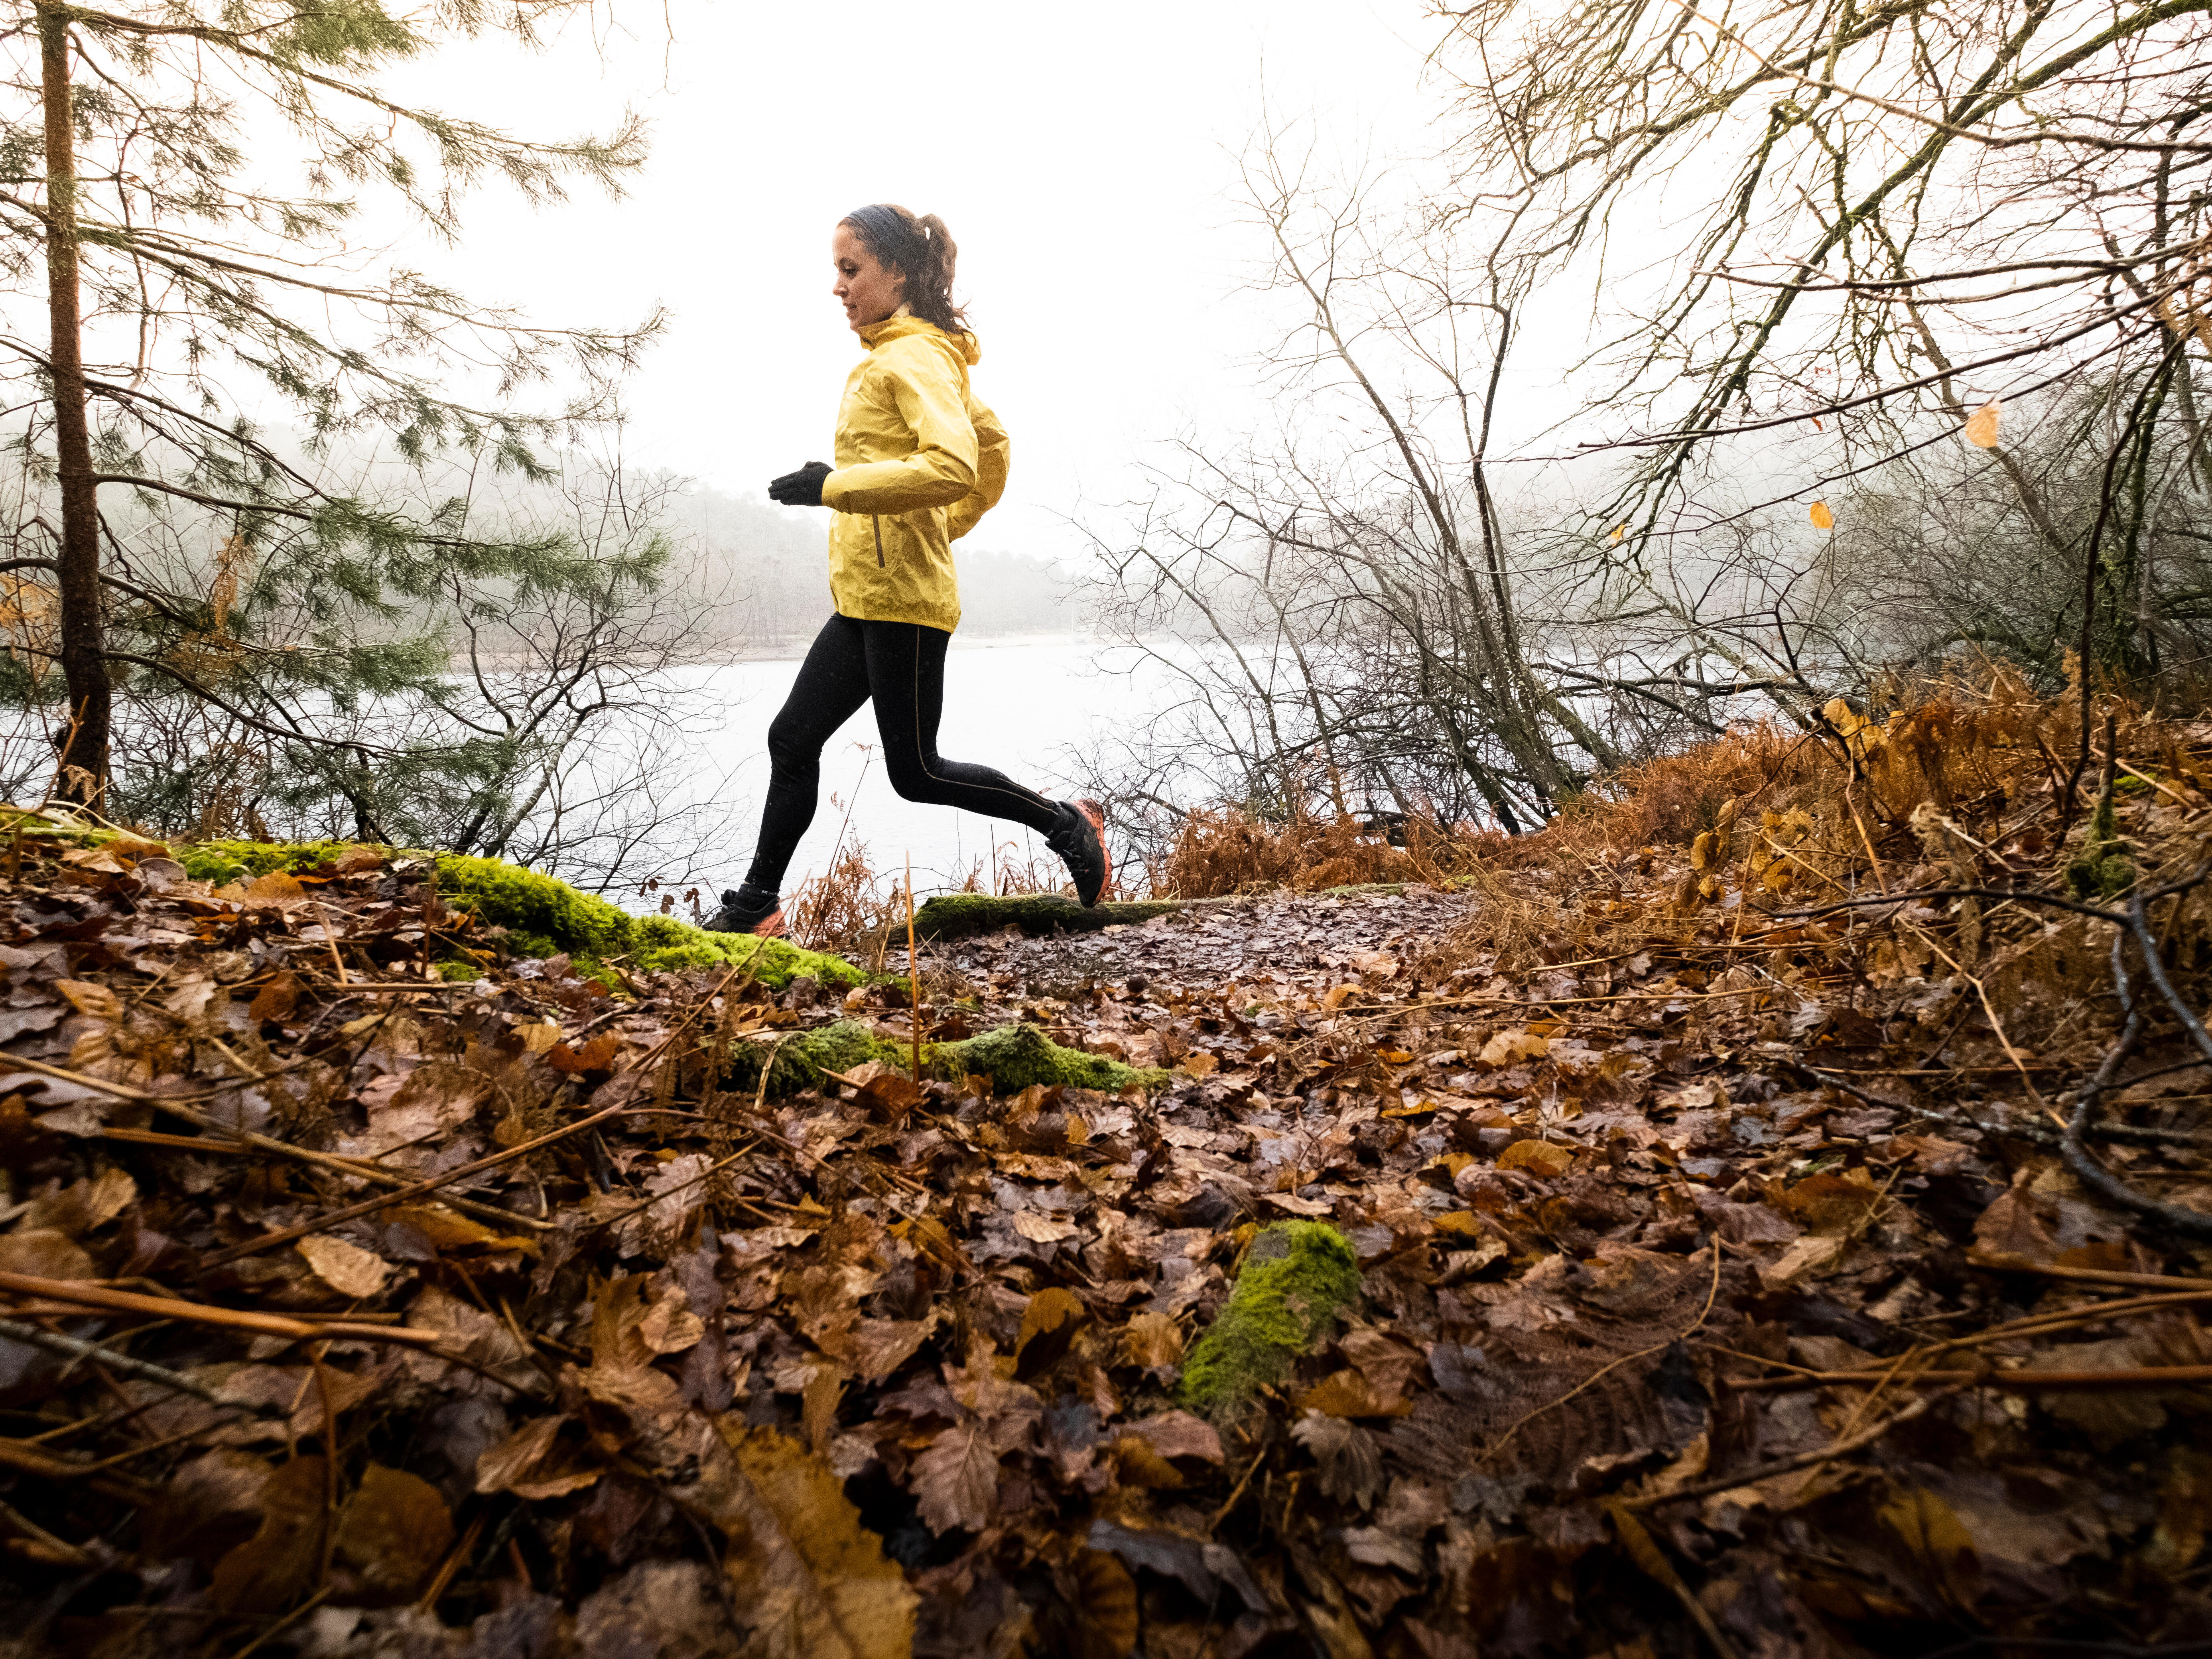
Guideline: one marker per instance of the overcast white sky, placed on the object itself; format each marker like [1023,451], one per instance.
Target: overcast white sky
[1081,157]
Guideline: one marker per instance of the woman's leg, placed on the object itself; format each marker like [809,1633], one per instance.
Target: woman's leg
[832,684]
[906,677]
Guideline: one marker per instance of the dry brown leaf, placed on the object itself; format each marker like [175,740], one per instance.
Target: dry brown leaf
[1350,1393]
[346,1269]
[956,1482]
[1200,1064]
[1981,427]
[88,998]
[270,1571]
[1049,1324]
[450,1232]
[1178,1434]
[1541,1157]
[395,1531]
[1351,1462]
[814,1583]
[44,1253]
[819,1405]
[1041,1229]
[1831,1205]
[278,890]
[530,1464]
[1822,519]
[1153,1340]
[1512,1048]
[1104,1595]
[880,1346]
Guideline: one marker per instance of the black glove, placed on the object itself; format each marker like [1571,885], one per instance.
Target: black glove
[799,489]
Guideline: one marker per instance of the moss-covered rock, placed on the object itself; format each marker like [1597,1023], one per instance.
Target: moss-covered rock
[1015,1056]
[1299,1276]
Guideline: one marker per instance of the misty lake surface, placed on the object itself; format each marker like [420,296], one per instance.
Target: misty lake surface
[1024,705]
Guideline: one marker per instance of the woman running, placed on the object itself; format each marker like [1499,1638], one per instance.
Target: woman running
[920,459]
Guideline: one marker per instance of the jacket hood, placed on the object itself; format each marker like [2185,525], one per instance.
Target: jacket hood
[898,328]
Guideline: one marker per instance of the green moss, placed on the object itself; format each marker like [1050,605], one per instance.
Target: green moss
[458,972]
[801,1058]
[963,916]
[1015,1056]
[543,916]
[225,862]
[1012,1057]
[546,916]
[2105,866]
[1299,1276]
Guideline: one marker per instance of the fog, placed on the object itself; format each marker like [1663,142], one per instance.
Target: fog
[1082,159]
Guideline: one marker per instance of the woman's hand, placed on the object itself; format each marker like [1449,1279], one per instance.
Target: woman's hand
[799,489]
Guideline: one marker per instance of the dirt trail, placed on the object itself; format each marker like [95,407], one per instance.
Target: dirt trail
[1297,939]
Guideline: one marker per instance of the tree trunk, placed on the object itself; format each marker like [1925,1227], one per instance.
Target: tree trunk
[82,740]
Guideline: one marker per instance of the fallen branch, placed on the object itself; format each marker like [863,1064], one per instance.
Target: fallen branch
[76,1292]
[2013,1382]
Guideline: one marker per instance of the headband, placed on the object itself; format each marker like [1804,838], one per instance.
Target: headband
[888,232]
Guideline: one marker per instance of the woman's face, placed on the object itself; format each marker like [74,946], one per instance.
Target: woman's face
[868,290]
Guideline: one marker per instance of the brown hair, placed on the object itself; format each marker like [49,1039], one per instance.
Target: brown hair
[922,250]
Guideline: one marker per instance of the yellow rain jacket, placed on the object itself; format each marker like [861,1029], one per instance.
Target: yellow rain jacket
[920,459]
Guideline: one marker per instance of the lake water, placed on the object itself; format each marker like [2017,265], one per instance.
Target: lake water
[1025,705]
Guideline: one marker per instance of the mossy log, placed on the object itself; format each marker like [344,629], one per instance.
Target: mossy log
[1012,1056]
[1297,1277]
[543,914]
[963,916]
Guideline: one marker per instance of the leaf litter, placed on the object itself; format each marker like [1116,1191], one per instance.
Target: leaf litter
[1738,1268]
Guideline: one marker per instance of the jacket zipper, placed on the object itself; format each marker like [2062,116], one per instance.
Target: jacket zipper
[879,520]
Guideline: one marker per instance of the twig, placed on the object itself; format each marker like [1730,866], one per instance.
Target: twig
[360,1169]
[70,1555]
[1835,1449]
[2012,1382]
[83,1295]
[77,1348]
[1998,1261]
[286,1235]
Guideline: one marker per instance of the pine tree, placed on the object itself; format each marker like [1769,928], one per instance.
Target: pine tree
[216,371]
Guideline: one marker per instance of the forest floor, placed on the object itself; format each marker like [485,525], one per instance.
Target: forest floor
[1730,1262]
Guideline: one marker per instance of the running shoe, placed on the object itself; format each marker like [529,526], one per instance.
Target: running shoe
[1080,838]
[736,916]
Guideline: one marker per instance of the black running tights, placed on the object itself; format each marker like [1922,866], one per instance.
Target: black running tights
[901,666]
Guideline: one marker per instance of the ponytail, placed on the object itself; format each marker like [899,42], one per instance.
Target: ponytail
[922,250]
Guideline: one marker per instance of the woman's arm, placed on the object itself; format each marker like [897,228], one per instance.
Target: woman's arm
[943,468]
[992,458]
